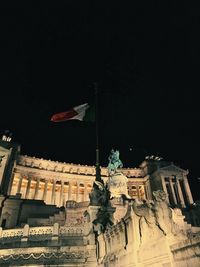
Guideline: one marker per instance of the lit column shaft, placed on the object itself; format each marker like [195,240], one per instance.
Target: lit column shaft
[85,192]
[172,190]
[53,192]
[164,187]
[70,191]
[28,187]
[45,190]
[19,184]
[138,192]
[36,188]
[187,191]
[77,192]
[180,193]
[61,193]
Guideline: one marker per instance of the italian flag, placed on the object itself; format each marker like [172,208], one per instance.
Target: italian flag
[84,112]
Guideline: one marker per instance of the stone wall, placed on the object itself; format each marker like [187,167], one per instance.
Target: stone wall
[187,252]
[151,234]
[41,246]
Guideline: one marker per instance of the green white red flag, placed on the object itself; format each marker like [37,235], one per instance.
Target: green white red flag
[83,112]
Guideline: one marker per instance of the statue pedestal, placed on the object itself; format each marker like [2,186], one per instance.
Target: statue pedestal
[120,208]
[117,184]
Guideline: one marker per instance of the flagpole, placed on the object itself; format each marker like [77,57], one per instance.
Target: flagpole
[98,170]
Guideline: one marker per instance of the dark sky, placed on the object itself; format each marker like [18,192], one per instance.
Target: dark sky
[145,58]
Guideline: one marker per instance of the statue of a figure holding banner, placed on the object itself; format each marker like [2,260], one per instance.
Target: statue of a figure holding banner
[114,162]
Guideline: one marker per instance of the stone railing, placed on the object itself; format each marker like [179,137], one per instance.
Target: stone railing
[51,233]
[11,233]
[71,231]
[41,230]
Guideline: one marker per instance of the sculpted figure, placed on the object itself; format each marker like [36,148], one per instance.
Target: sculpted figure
[100,195]
[114,162]
[159,195]
[103,219]
[163,213]
[95,194]
[155,218]
[146,221]
[86,216]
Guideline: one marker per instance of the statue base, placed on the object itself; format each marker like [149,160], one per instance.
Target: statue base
[117,185]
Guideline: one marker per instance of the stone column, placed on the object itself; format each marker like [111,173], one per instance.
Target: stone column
[70,191]
[55,234]
[25,233]
[85,192]
[187,190]
[180,193]
[36,188]
[45,190]
[19,184]
[164,187]
[61,193]
[28,187]
[53,192]
[138,192]
[172,190]
[146,191]
[10,186]
[1,231]
[149,193]
[77,191]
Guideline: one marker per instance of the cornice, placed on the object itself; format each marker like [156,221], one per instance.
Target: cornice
[33,163]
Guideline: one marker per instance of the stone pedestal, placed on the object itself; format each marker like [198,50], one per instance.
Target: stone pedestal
[117,184]
[10,212]
[120,208]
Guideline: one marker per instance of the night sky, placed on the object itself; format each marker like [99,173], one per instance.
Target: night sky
[145,58]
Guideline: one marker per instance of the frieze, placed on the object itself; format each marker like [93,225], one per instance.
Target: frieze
[70,168]
[55,165]
[50,255]
[49,175]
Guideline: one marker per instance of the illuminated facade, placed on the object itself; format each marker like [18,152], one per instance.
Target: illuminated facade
[47,218]
[56,182]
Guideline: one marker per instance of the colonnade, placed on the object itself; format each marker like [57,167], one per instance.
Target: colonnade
[57,191]
[177,190]
[52,191]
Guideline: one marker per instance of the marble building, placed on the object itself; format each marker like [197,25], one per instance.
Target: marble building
[56,182]
[47,217]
